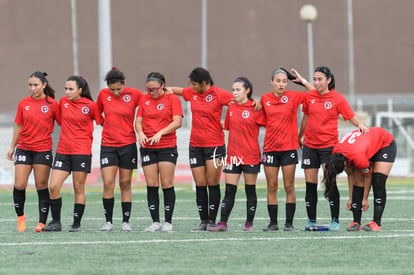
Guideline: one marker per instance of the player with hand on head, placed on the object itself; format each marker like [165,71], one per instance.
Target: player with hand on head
[159,115]
[319,127]
[119,153]
[74,151]
[367,159]
[281,142]
[35,120]
[243,152]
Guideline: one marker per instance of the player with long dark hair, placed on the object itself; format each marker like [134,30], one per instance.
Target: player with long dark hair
[74,151]
[321,108]
[368,159]
[34,120]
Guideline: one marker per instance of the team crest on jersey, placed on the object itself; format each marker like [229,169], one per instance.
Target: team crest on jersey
[245,114]
[209,98]
[284,99]
[328,105]
[127,98]
[44,109]
[85,110]
[160,106]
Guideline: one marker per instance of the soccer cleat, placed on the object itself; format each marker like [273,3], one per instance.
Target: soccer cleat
[354,227]
[125,227]
[202,227]
[220,227]
[21,223]
[248,227]
[310,225]
[334,225]
[53,226]
[75,228]
[167,227]
[39,227]
[211,224]
[108,226]
[372,226]
[271,227]
[288,227]
[156,226]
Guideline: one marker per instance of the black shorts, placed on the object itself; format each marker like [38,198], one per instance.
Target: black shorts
[156,155]
[386,154]
[199,155]
[124,157]
[31,157]
[282,158]
[75,163]
[238,169]
[313,158]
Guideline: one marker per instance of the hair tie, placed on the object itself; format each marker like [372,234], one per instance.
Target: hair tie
[114,68]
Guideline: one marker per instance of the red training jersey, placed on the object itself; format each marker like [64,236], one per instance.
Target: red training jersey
[156,115]
[206,110]
[359,147]
[282,120]
[37,118]
[323,112]
[243,124]
[76,133]
[119,112]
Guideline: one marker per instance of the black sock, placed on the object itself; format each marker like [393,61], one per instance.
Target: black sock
[334,203]
[356,207]
[169,203]
[251,203]
[202,202]
[55,208]
[43,196]
[311,200]
[380,195]
[19,198]
[153,203]
[272,209]
[108,205]
[214,201]
[228,202]
[290,212]
[126,210]
[78,210]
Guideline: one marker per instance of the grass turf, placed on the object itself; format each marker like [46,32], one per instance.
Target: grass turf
[234,252]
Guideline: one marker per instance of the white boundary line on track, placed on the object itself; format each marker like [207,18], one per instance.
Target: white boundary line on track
[209,240]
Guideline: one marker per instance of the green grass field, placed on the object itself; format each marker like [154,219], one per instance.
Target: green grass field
[389,251]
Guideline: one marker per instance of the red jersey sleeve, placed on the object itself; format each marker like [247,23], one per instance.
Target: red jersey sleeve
[344,108]
[187,93]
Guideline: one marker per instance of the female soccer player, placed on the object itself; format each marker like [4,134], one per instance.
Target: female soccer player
[206,142]
[73,154]
[159,115]
[34,120]
[118,146]
[321,108]
[281,143]
[360,154]
[243,152]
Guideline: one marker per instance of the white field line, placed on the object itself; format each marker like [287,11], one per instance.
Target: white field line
[195,240]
